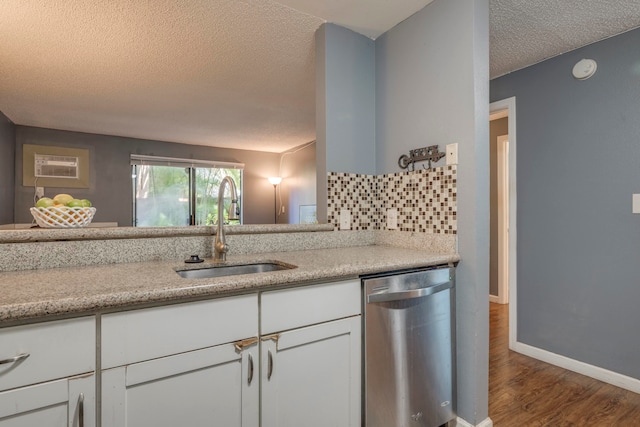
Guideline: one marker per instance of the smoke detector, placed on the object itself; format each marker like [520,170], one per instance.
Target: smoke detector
[584,69]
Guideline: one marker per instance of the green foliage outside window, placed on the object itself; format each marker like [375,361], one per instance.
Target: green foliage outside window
[163,195]
[207,183]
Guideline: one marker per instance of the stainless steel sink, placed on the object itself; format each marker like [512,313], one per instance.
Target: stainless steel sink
[231,270]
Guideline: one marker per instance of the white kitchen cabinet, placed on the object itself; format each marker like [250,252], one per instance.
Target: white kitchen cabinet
[307,305]
[216,386]
[311,375]
[192,364]
[46,374]
[207,363]
[68,402]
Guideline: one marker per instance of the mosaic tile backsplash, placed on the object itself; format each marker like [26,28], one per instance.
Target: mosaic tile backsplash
[425,200]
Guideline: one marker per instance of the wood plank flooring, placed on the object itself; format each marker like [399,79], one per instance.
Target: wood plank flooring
[527,392]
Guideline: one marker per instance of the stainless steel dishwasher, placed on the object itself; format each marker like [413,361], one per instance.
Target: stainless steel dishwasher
[409,368]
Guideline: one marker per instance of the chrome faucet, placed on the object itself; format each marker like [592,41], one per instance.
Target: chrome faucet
[220,247]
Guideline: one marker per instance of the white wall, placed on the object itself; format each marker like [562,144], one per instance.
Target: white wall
[432,87]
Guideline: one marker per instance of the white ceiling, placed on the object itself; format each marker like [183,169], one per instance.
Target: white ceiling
[229,73]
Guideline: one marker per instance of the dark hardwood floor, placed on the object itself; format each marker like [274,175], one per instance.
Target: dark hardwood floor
[526,392]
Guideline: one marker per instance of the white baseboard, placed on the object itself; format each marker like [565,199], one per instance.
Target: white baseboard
[485,423]
[604,375]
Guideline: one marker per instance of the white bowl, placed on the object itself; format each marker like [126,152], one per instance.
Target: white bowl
[63,217]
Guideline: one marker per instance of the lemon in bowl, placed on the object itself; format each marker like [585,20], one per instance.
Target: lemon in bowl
[62,199]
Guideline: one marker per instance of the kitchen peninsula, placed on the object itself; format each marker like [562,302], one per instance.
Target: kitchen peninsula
[107,328]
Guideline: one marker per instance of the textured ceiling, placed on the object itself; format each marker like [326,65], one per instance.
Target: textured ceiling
[524,32]
[226,73]
[229,73]
[368,17]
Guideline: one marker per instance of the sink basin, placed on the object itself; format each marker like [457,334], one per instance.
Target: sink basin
[231,270]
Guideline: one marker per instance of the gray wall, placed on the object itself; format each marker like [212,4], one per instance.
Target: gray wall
[345,105]
[578,163]
[350,101]
[299,182]
[110,174]
[432,87]
[7,168]
[497,128]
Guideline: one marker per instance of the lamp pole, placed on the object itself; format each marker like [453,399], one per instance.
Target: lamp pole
[275,204]
[275,180]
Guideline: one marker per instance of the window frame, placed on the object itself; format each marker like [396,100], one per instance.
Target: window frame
[191,165]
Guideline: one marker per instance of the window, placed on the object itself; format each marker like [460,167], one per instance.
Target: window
[174,192]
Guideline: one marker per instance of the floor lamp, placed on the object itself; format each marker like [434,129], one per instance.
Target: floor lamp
[275,180]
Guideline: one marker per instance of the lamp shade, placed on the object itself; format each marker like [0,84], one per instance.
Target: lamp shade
[275,180]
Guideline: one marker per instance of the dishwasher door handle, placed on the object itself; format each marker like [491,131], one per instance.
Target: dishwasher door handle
[386,296]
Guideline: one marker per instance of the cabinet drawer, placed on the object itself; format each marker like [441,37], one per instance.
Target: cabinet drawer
[56,350]
[138,335]
[308,305]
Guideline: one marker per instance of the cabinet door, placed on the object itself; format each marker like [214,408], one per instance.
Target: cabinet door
[311,376]
[47,351]
[68,402]
[215,386]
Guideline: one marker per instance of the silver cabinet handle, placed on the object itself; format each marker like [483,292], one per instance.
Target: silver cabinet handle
[250,369]
[15,359]
[81,410]
[270,371]
[385,296]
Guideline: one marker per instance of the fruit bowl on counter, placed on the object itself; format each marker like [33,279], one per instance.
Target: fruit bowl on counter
[63,211]
[63,216]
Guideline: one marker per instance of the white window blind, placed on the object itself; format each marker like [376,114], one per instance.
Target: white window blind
[138,159]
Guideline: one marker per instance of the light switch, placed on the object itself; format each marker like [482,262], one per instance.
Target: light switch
[635,208]
[452,154]
[392,219]
[345,219]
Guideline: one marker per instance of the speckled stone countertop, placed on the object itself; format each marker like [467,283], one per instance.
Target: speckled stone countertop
[57,234]
[61,292]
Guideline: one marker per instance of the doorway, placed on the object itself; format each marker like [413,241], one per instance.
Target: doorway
[499,207]
[503,209]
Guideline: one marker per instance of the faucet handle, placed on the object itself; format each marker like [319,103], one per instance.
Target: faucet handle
[220,251]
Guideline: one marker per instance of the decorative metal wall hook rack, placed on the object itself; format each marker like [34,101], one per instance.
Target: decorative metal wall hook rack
[429,154]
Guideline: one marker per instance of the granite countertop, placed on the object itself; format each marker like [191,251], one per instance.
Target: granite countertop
[60,292]
[56,234]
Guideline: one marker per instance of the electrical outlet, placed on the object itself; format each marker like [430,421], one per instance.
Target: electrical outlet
[452,154]
[39,192]
[345,219]
[392,219]
[635,204]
